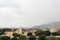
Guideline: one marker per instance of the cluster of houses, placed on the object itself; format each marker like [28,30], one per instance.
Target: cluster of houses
[25,32]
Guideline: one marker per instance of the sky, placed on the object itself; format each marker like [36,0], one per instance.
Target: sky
[28,13]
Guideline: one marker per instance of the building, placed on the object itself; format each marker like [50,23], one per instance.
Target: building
[54,30]
[10,33]
[19,30]
[25,33]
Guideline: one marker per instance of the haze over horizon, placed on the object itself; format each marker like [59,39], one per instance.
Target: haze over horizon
[27,13]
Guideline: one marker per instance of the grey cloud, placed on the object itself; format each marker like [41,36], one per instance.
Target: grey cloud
[28,12]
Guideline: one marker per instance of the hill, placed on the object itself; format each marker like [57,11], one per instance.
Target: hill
[49,25]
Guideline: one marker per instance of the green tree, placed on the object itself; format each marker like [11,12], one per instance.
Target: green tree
[16,35]
[29,34]
[4,38]
[58,38]
[41,37]
[22,37]
[47,33]
[19,37]
[39,32]
[55,33]
[32,38]
[52,38]
[14,38]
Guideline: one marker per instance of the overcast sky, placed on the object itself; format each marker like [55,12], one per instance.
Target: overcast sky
[27,13]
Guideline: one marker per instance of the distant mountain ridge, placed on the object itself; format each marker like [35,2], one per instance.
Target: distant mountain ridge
[49,25]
